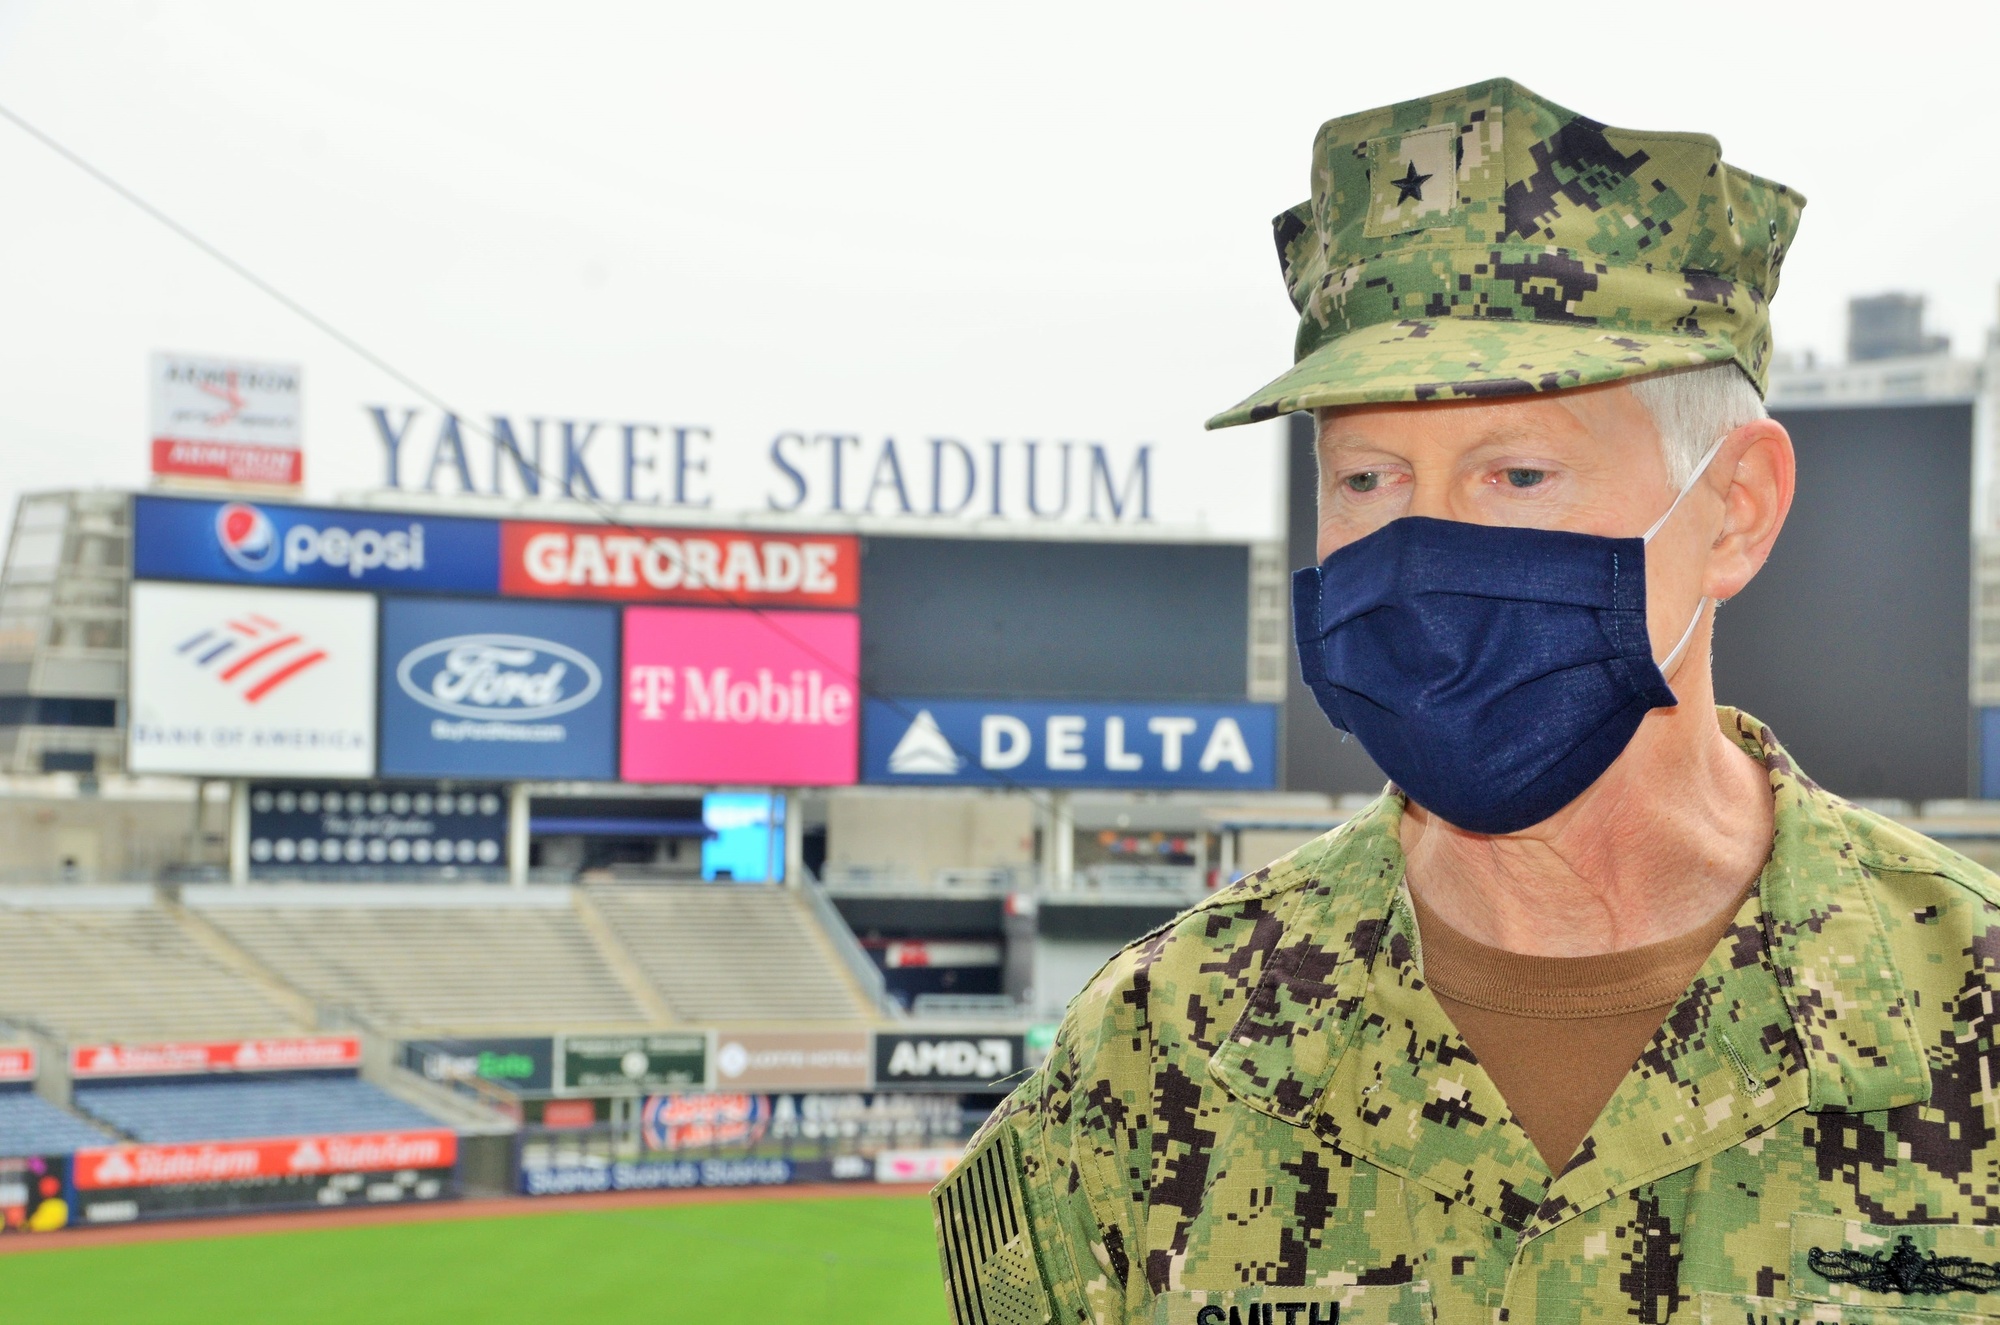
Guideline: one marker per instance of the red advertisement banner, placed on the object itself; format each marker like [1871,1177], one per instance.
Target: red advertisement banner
[229,460]
[234,1161]
[540,560]
[159,1060]
[17,1062]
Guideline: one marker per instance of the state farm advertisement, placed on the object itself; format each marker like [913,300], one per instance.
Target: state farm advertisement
[17,1062]
[250,681]
[745,698]
[284,1157]
[678,565]
[205,1056]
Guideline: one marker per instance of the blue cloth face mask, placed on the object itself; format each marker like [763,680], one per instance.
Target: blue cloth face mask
[1493,673]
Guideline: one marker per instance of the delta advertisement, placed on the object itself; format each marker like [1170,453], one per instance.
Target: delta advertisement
[241,682]
[507,690]
[720,696]
[972,742]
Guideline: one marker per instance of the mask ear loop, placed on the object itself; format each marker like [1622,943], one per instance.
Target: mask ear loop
[1666,665]
[1700,468]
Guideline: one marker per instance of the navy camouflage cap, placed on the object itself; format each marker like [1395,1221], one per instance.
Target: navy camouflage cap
[1488,242]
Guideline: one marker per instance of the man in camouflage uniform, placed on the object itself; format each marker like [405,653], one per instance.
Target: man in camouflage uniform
[1261,1114]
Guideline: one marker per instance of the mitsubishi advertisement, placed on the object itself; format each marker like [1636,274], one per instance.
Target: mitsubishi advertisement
[237,682]
[493,689]
[307,547]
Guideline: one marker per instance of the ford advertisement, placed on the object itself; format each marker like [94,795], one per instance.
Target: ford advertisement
[494,689]
[303,546]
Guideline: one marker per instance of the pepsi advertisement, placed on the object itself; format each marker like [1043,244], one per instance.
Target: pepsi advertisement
[493,689]
[239,542]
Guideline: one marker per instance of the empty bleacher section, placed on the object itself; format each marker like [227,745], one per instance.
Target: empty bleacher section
[30,1125]
[460,959]
[230,1110]
[732,954]
[110,964]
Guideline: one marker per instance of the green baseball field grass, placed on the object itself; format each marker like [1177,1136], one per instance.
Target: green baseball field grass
[825,1261]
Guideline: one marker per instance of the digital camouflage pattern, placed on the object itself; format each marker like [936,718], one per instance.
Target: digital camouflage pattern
[1259,1112]
[1487,242]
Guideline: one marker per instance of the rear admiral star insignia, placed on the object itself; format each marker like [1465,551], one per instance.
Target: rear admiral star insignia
[1410,188]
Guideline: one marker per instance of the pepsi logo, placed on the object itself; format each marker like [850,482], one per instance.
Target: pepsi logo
[246,536]
[499,676]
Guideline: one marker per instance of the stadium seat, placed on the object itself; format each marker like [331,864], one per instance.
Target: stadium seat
[229,1110]
[719,953]
[123,969]
[460,960]
[30,1125]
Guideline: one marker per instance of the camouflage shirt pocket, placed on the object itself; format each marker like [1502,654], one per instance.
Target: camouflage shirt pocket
[1742,1309]
[1932,1269]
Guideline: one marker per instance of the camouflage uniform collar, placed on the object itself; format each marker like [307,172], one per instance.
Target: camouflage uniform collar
[1800,1006]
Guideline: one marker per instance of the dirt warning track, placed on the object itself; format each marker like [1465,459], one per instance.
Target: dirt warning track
[231,1226]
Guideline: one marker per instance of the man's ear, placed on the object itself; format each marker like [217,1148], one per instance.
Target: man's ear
[1754,474]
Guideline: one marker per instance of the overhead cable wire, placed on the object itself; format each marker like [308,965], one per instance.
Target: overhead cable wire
[608,513]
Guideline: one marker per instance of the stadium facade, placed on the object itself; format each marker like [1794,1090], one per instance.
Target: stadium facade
[589,807]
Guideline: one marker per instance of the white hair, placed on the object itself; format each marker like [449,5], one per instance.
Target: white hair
[1692,407]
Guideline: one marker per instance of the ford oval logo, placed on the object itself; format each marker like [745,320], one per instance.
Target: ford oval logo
[499,676]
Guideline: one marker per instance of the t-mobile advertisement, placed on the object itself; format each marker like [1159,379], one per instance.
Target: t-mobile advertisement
[754,698]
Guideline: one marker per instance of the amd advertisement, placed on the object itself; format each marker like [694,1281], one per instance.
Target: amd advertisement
[949,1062]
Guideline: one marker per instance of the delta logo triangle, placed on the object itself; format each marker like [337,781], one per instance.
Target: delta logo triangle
[924,750]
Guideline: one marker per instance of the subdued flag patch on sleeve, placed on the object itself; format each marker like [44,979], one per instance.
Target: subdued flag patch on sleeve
[992,1275]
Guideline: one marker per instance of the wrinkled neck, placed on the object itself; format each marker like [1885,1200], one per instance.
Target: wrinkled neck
[1625,864]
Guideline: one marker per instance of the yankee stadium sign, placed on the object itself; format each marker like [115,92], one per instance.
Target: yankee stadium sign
[1006,486]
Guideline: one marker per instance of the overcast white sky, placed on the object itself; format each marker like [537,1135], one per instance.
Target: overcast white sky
[1019,220]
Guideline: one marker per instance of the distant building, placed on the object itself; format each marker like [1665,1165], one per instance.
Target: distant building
[62,634]
[1890,359]
[1889,326]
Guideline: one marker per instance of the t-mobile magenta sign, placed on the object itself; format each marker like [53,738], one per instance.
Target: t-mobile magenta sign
[725,695]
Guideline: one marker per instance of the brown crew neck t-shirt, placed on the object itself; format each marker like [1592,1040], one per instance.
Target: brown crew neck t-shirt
[1557,1034]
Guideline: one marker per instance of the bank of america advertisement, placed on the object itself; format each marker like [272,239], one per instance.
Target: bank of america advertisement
[493,689]
[234,682]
